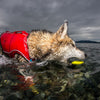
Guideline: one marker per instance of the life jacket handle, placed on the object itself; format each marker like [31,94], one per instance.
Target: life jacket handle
[21,32]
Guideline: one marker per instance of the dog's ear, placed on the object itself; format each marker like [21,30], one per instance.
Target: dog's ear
[63,29]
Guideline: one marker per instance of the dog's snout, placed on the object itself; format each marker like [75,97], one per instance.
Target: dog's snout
[85,55]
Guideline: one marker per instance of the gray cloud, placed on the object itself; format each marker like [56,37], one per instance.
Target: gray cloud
[83,16]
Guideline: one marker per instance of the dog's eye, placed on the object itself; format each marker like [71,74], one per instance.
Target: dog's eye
[73,45]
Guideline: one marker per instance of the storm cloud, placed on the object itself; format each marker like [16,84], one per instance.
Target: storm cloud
[83,16]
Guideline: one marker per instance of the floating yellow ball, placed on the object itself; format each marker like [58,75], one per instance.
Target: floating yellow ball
[77,62]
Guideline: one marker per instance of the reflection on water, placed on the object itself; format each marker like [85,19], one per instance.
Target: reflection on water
[52,81]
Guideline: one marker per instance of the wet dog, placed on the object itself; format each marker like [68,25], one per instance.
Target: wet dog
[43,45]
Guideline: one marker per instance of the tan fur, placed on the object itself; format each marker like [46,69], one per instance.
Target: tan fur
[59,45]
[40,43]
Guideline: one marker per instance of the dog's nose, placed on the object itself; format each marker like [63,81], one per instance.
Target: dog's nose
[85,55]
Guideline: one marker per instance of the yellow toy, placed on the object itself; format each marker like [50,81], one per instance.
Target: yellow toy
[77,62]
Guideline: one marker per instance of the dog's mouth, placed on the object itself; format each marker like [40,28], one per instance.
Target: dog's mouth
[70,60]
[79,58]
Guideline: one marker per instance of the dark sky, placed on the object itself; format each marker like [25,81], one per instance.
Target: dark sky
[83,16]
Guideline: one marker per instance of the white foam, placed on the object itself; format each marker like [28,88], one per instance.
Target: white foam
[4,60]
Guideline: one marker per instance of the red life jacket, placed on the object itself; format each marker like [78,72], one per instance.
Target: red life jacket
[15,43]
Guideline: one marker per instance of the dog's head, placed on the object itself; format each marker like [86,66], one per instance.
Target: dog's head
[63,47]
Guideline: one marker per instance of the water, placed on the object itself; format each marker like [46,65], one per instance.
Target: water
[93,54]
[53,81]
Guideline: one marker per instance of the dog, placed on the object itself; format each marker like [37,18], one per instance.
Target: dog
[42,45]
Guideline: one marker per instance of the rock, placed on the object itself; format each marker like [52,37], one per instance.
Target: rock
[1,98]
